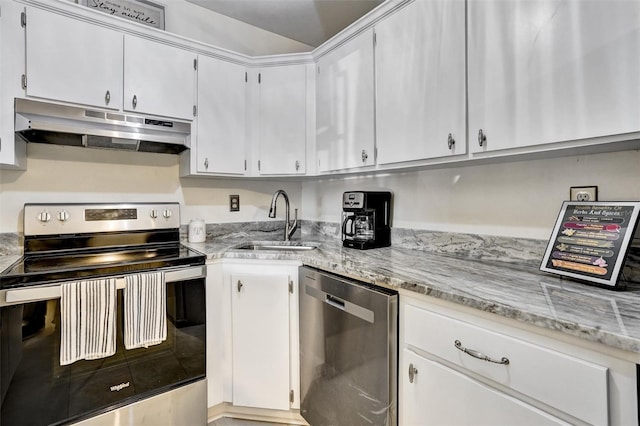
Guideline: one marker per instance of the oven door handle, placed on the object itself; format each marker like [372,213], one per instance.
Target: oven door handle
[36,293]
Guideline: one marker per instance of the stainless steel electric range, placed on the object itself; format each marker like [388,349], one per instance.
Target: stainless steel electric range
[163,383]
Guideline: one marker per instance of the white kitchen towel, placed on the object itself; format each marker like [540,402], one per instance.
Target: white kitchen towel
[87,320]
[145,305]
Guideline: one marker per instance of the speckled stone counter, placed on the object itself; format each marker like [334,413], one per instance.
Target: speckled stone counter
[491,274]
[515,290]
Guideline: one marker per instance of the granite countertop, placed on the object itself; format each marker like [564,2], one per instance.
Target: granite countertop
[519,292]
[516,290]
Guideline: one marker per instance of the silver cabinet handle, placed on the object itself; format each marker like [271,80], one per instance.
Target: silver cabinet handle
[239,286]
[482,138]
[412,373]
[135,101]
[364,156]
[107,97]
[480,355]
[297,165]
[206,163]
[450,141]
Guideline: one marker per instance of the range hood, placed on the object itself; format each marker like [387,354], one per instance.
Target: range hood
[41,122]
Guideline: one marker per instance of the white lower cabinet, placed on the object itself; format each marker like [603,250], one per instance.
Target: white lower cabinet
[260,330]
[253,334]
[440,395]
[459,366]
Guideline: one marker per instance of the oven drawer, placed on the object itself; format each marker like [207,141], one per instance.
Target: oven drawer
[567,383]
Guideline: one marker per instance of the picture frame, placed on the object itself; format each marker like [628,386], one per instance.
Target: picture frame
[140,11]
[590,241]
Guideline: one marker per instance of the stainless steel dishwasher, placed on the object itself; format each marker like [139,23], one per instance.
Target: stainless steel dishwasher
[348,351]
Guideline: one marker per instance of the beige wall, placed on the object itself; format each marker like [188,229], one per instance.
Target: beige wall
[69,174]
[519,199]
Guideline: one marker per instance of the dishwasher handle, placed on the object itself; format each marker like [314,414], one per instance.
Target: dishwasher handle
[334,301]
[344,305]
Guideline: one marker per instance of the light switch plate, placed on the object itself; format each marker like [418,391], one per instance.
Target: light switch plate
[234,203]
[583,193]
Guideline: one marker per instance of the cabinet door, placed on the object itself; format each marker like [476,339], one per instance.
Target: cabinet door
[345,106]
[547,71]
[12,58]
[73,61]
[158,78]
[420,82]
[260,329]
[437,395]
[221,121]
[282,119]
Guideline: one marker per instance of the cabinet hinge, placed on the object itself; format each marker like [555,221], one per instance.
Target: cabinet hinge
[291,396]
[24,81]
[258,165]
[290,286]
[23,19]
[259,78]
[195,111]
[195,64]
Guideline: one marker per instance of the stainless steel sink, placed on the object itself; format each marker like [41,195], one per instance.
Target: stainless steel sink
[278,247]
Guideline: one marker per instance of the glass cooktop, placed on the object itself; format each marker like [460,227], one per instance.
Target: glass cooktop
[67,266]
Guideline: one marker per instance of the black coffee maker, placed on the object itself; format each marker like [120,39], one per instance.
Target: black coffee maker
[366,219]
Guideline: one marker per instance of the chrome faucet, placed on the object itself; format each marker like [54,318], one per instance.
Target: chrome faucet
[289,228]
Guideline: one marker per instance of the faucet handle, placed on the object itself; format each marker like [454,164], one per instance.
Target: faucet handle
[295,215]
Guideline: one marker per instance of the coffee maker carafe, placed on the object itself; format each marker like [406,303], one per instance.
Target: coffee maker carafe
[366,219]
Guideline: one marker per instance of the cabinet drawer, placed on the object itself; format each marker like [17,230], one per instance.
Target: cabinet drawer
[569,384]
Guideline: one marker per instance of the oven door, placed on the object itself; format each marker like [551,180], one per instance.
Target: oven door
[37,390]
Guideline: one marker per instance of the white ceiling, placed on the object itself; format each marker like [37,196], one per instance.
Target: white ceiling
[308,21]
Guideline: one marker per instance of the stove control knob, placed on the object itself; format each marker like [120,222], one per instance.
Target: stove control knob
[154,214]
[167,214]
[63,216]
[44,216]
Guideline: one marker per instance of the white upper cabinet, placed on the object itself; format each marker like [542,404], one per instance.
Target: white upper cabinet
[345,106]
[420,82]
[221,119]
[549,71]
[13,152]
[72,61]
[158,79]
[282,112]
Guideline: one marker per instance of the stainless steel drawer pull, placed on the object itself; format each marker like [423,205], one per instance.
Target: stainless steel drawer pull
[480,355]
[412,373]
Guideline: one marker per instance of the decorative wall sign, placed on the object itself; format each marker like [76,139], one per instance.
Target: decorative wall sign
[141,11]
[590,240]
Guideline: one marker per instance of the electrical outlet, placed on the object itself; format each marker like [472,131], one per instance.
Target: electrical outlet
[583,193]
[234,203]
